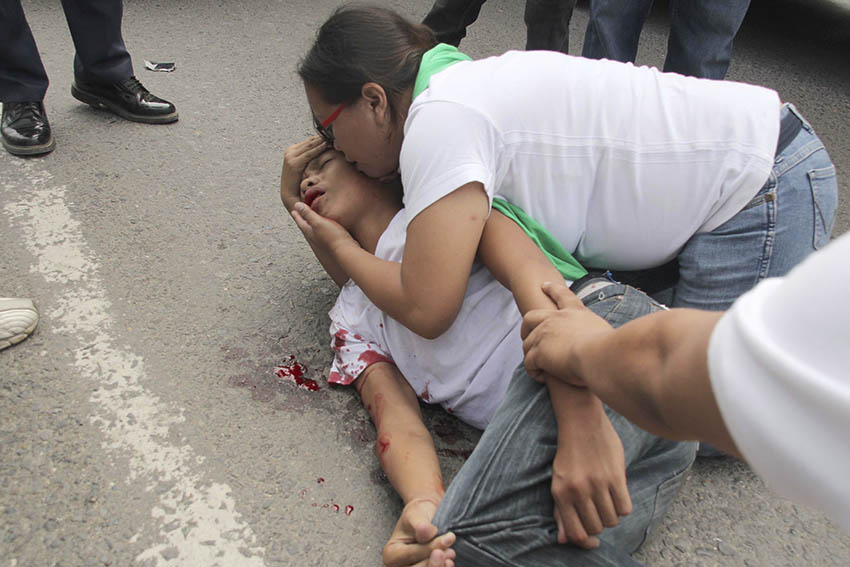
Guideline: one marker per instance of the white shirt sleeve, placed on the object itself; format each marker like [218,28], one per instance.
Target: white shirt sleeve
[355,348]
[446,145]
[779,362]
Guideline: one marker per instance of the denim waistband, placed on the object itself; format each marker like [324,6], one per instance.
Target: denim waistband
[593,281]
[789,126]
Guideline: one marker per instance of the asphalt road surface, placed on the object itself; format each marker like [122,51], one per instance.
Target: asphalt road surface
[143,424]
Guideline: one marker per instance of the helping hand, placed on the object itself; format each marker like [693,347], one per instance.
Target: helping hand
[549,335]
[589,480]
[295,160]
[414,542]
[321,232]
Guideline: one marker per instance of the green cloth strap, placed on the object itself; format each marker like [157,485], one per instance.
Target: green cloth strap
[435,60]
[562,260]
[439,58]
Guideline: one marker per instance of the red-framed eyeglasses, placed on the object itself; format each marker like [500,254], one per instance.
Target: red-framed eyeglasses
[325,128]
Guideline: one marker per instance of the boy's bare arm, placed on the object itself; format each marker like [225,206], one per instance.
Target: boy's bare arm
[409,459]
[404,446]
[588,474]
[516,261]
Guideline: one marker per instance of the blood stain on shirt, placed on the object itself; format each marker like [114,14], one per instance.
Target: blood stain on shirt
[426,393]
[371,357]
[339,339]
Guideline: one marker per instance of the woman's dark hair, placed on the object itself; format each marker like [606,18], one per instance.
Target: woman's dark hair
[362,43]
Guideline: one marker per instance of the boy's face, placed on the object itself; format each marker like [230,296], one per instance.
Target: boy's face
[334,188]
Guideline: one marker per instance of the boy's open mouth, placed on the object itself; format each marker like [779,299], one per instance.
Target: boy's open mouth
[311,195]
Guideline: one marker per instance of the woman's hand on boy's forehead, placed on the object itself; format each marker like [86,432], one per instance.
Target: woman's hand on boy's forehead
[317,162]
[295,160]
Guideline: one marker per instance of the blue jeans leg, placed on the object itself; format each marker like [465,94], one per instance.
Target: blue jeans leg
[701,34]
[790,217]
[500,505]
[614,27]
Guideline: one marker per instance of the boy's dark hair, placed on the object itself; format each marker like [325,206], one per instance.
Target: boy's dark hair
[363,43]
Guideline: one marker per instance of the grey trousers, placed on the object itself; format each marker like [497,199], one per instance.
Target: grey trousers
[500,504]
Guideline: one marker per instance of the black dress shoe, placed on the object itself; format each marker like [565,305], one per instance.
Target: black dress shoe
[128,99]
[25,129]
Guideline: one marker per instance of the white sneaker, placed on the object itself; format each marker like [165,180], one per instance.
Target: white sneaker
[18,318]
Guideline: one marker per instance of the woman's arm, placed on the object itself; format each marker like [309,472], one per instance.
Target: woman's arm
[589,473]
[409,459]
[425,291]
[295,160]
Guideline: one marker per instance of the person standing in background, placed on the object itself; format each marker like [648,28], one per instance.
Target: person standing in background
[103,74]
[547,22]
[700,41]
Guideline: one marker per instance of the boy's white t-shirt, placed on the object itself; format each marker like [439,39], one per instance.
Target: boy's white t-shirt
[621,164]
[779,362]
[466,369]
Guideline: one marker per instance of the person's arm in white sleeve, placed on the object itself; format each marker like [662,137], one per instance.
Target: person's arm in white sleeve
[767,380]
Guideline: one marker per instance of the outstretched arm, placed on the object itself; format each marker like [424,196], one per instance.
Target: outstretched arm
[425,291]
[589,471]
[409,459]
[659,377]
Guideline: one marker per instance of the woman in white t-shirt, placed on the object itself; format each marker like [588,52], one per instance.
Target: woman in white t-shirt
[552,466]
[628,168]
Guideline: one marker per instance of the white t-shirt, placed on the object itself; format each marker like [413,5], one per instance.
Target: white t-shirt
[622,164]
[779,362]
[466,369]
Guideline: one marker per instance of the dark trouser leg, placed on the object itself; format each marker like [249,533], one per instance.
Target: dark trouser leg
[548,24]
[96,29]
[613,30]
[22,75]
[448,19]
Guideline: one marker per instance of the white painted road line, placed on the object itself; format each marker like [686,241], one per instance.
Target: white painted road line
[197,518]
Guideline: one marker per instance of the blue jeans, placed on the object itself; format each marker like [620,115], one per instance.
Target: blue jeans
[700,41]
[500,506]
[790,217]
[547,22]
